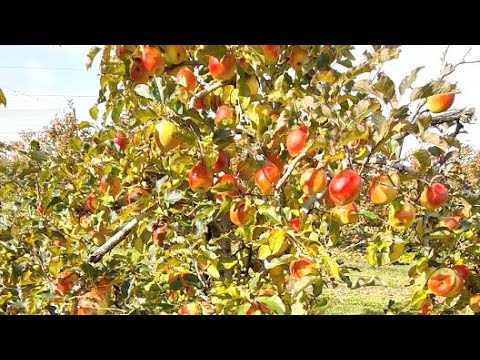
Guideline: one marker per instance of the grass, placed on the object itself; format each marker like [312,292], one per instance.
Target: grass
[368,299]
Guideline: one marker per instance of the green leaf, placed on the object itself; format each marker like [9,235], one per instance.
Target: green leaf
[369,214]
[145,115]
[270,213]
[364,108]
[324,76]
[174,197]
[94,112]
[263,252]
[145,91]
[213,271]
[277,241]
[434,139]
[273,303]
[360,282]
[138,244]
[91,56]
[224,206]
[6,189]
[228,262]
[117,111]
[84,125]
[435,151]
[38,155]
[386,86]
[199,228]
[243,309]
[423,122]
[76,143]
[422,160]
[432,88]
[334,233]
[409,79]
[3,99]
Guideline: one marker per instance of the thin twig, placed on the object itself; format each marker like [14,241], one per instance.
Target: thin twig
[289,170]
[208,89]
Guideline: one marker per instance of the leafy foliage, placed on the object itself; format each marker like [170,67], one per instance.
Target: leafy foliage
[186,255]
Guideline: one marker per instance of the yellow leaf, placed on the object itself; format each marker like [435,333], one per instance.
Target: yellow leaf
[277,242]
[213,271]
[264,252]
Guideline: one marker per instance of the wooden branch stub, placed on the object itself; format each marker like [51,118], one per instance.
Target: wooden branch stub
[117,238]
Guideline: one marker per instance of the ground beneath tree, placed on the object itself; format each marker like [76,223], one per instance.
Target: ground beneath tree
[389,283]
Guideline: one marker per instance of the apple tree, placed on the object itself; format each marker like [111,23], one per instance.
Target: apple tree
[217,179]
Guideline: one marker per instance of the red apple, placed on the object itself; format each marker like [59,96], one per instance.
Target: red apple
[230,179]
[275,160]
[190,309]
[346,214]
[135,195]
[85,222]
[266,178]
[221,162]
[296,140]
[345,187]
[445,282]
[103,286]
[440,102]
[111,183]
[271,53]
[121,140]
[63,283]
[224,69]
[296,223]
[449,222]
[461,271]
[225,115]
[200,178]
[328,200]
[187,80]
[384,189]
[302,267]
[138,73]
[120,50]
[240,214]
[434,196]
[92,303]
[91,203]
[152,60]
[313,181]
[298,57]
[474,303]
[176,54]
[401,217]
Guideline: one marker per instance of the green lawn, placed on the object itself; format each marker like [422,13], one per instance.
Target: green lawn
[368,299]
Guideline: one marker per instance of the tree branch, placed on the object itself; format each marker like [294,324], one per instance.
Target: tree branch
[117,238]
[308,205]
[448,69]
[395,165]
[453,115]
[208,89]
[289,170]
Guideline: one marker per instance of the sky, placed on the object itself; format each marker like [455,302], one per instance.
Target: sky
[38,80]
